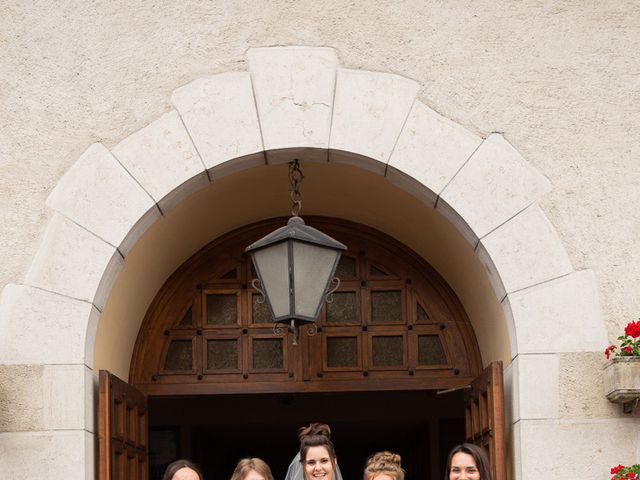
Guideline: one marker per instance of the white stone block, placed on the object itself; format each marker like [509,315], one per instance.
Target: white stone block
[585,450]
[98,194]
[40,327]
[512,253]
[74,262]
[536,386]
[163,160]
[66,394]
[511,402]
[50,454]
[294,91]
[369,112]
[429,152]
[493,186]
[220,115]
[562,315]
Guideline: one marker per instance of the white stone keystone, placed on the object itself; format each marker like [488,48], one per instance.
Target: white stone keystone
[163,160]
[40,327]
[430,150]
[74,262]
[220,115]
[512,253]
[494,185]
[294,90]
[369,112]
[99,194]
[562,315]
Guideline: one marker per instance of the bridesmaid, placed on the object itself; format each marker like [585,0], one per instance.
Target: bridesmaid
[468,462]
[383,466]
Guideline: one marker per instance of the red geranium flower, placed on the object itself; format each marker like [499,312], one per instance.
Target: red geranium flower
[615,470]
[607,353]
[633,329]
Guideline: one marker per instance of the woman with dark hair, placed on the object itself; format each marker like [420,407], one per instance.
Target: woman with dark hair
[182,470]
[316,459]
[383,466]
[468,462]
[252,469]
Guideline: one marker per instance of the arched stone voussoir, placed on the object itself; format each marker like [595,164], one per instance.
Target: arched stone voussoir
[74,262]
[40,327]
[162,158]
[562,315]
[220,115]
[495,184]
[369,111]
[294,92]
[100,195]
[429,152]
[512,253]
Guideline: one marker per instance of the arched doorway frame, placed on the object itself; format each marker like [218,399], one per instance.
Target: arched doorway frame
[293,99]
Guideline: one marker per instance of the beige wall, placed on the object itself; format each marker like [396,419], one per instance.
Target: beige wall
[559,78]
[262,192]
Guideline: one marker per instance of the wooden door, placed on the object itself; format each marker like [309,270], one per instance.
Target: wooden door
[484,416]
[122,430]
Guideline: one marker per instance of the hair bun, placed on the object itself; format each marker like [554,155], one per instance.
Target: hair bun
[385,457]
[315,429]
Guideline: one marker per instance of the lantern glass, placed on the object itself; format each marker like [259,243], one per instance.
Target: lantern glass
[313,267]
[272,263]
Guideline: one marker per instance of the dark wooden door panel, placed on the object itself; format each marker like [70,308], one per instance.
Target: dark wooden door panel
[484,416]
[122,430]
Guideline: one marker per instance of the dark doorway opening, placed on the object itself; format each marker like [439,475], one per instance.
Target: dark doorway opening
[216,431]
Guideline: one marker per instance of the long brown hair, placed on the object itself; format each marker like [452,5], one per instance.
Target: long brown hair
[173,467]
[384,462]
[245,465]
[316,435]
[479,456]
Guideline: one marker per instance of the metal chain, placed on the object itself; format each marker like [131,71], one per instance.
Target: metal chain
[295,179]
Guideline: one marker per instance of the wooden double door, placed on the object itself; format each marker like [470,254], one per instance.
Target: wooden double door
[123,425]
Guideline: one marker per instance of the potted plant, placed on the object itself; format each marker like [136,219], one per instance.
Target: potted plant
[622,371]
[627,473]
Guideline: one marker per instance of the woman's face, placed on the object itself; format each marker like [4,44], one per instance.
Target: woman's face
[185,473]
[463,467]
[318,464]
[253,475]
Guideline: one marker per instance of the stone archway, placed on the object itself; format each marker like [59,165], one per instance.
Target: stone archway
[293,100]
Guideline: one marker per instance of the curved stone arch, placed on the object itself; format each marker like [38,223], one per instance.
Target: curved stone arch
[298,100]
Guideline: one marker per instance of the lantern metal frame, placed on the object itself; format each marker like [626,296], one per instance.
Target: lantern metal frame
[295,232]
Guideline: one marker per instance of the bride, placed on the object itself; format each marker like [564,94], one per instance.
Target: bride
[316,459]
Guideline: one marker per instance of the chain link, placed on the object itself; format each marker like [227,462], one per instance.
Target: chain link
[295,179]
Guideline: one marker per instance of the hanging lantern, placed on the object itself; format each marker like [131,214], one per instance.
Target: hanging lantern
[296,265]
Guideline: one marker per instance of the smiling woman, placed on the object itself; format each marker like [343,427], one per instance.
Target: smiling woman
[468,462]
[317,455]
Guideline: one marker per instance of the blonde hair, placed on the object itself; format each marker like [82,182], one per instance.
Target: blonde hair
[384,462]
[245,466]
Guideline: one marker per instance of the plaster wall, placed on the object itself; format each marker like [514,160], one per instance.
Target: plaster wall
[558,78]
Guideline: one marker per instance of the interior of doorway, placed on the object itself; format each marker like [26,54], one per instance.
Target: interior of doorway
[216,431]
